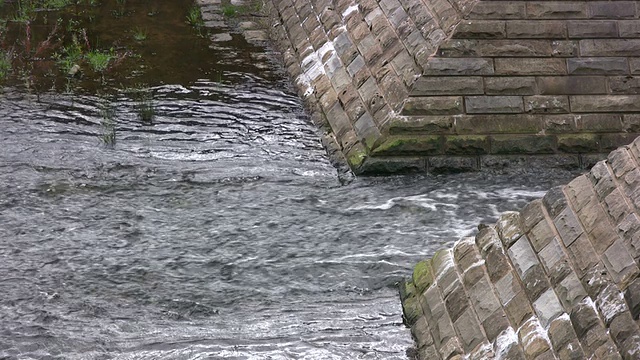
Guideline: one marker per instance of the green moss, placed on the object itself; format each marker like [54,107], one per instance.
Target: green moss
[356,156]
[422,275]
[411,310]
[411,145]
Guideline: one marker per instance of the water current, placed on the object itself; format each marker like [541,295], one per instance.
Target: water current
[222,231]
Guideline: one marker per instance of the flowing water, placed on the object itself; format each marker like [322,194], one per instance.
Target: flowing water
[221,231]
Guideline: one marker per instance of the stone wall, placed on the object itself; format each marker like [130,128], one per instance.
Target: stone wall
[558,279]
[463,84]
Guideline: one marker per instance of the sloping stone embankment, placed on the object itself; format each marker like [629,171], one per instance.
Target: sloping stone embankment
[556,280]
[429,85]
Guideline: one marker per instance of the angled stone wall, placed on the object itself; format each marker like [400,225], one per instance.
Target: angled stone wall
[463,84]
[556,280]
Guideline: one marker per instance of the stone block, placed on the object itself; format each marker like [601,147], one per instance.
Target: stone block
[458,66]
[629,28]
[612,9]
[569,85]
[497,263]
[624,85]
[629,229]
[571,351]
[602,179]
[582,254]
[610,303]
[528,29]
[631,123]
[621,162]
[598,66]
[558,124]
[522,256]
[568,226]
[498,10]
[433,105]
[480,29]
[620,264]
[597,342]
[554,201]
[519,85]
[592,29]
[584,316]
[494,48]
[473,275]
[446,85]
[561,332]
[600,123]
[596,224]
[579,143]
[546,104]
[555,261]
[632,297]
[616,206]
[469,331]
[532,144]
[495,324]
[456,302]
[451,349]
[530,66]
[540,235]
[580,192]
[518,310]
[509,228]
[484,302]
[498,124]
[570,291]
[634,65]
[547,307]
[507,288]
[610,47]
[610,142]
[366,130]
[421,333]
[556,10]
[565,48]
[466,145]
[407,145]
[533,339]
[493,104]
[535,283]
[623,327]
[405,125]
[448,164]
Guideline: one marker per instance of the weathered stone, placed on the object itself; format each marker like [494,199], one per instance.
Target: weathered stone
[592,29]
[568,226]
[610,47]
[533,144]
[518,309]
[480,29]
[497,263]
[594,123]
[497,124]
[554,201]
[547,104]
[620,264]
[570,291]
[567,85]
[582,254]
[547,307]
[421,333]
[435,105]
[509,85]
[632,297]
[530,66]
[469,330]
[561,332]
[493,104]
[467,145]
[556,10]
[493,10]
[610,303]
[448,164]
[453,66]
[484,302]
[442,85]
[456,302]
[494,48]
[558,124]
[536,29]
[597,66]
[554,261]
[612,10]
[623,327]
[533,339]
[535,283]
[571,351]
[495,324]
[402,145]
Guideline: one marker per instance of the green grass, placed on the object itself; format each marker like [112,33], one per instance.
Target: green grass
[139,34]
[70,55]
[99,61]
[230,10]
[5,64]
[194,18]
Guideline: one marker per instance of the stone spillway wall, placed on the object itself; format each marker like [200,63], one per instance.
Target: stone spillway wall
[463,84]
[556,280]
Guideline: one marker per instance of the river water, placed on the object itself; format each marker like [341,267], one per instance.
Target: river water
[221,231]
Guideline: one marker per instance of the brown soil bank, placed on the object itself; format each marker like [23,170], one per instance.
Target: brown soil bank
[557,280]
[438,85]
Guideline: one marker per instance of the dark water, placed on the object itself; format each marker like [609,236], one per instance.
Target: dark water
[221,231]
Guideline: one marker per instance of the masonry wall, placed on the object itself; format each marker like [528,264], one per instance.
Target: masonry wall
[463,84]
[556,280]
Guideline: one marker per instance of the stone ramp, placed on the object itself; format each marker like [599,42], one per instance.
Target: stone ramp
[557,280]
[437,85]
